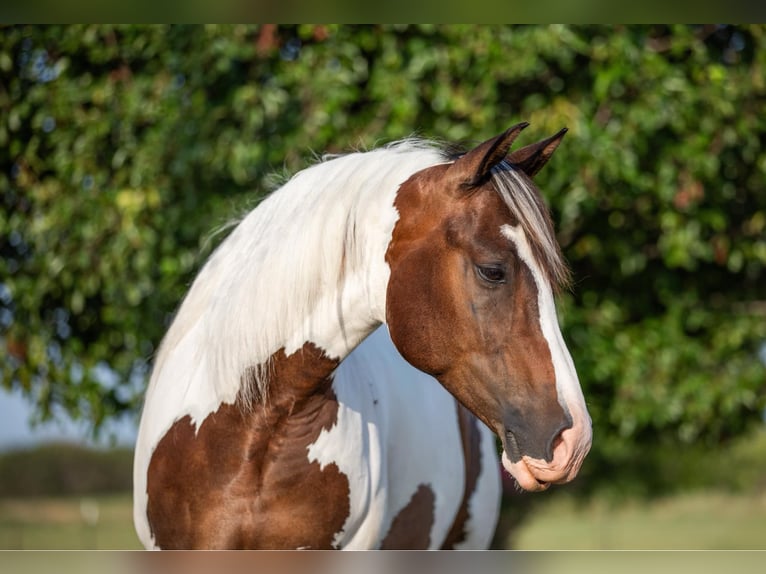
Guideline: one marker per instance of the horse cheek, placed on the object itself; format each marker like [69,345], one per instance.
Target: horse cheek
[419,332]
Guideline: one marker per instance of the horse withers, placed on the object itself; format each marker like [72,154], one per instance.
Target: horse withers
[340,369]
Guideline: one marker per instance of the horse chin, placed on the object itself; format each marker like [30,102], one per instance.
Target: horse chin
[523,475]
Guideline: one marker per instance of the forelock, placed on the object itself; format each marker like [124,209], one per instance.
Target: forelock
[528,207]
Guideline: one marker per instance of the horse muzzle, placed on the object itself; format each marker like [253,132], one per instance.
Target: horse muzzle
[565,455]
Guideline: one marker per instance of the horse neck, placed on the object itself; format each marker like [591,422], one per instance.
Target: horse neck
[342,250]
[305,267]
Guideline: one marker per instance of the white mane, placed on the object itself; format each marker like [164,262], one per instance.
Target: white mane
[262,288]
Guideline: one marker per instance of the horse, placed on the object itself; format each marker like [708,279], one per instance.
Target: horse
[350,362]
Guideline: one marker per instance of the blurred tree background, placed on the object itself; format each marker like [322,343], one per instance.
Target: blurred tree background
[123,149]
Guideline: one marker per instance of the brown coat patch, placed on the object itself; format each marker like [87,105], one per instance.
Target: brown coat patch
[411,528]
[244,479]
[471,441]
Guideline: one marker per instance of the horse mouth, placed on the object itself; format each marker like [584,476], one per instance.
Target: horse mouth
[535,475]
[513,461]
[523,475]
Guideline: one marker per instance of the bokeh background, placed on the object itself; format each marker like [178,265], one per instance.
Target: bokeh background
[125,150]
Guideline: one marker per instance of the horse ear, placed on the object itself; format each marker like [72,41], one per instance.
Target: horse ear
[530,159]
[474,167]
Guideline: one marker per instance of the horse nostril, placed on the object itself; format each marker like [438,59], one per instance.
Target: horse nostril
[556,440]
[534,437]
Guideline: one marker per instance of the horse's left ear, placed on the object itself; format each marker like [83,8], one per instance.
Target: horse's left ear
[474,167]
[530,159]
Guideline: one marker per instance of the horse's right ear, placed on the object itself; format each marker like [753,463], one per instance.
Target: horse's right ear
[531,159]
[474,167]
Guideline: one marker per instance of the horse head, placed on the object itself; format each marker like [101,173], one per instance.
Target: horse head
[474,265]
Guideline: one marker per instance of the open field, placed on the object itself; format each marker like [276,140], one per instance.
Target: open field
[689,521]
[692,521]
[99,523]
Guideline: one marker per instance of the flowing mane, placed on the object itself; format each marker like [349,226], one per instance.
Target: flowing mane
[261,287]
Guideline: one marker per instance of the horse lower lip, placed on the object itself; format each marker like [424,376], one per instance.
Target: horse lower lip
[526,475]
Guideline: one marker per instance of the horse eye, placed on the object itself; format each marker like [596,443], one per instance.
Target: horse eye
[491,273]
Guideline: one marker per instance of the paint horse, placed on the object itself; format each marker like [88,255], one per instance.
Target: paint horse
[339,370]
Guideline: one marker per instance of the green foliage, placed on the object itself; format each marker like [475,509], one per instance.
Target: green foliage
[123,147]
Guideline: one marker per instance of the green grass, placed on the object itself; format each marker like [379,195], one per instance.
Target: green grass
[713,521]
[691,521]
[60,523]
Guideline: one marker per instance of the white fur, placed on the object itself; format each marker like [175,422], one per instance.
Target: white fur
[568,389]
[398,429]
[483,507]
[306,265]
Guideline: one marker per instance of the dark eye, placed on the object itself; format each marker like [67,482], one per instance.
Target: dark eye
[491,273]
